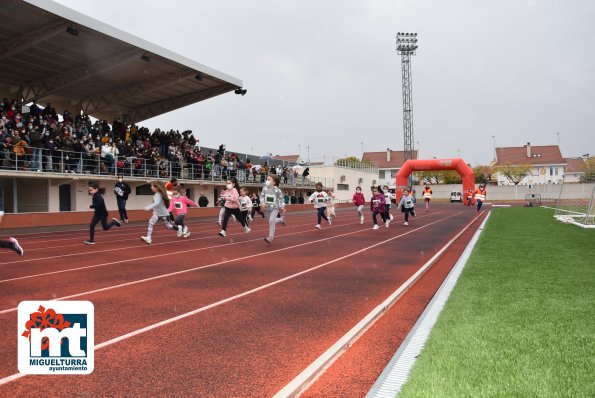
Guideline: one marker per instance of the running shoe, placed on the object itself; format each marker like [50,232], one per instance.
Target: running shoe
[222,234]
[412,213]
[375,226]
[330,222]
[283,221]
[117,222]
[317,226]
[405,223]
[361,220]
[146,239]
[391,217]
[16,247]
[126,221]
[247,229]
[179,232]
[268,240]
[185,230]
[387,223]
[89,242]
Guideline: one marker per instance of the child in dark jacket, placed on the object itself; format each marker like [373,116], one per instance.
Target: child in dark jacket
[100,214]
[377,203]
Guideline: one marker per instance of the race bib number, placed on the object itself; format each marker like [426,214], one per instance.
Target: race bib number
[270,199]
[376,203]
[408,203]
[320,200]
[178,205]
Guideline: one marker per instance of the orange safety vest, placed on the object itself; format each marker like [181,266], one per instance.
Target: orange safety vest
[427,193]
[480,195]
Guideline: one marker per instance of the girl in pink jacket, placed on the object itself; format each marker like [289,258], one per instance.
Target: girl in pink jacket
[359,201]
[232,206]
[180,203]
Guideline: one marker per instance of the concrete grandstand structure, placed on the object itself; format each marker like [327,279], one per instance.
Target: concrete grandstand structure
[78,66]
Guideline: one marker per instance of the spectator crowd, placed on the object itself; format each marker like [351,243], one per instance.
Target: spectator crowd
[38,140]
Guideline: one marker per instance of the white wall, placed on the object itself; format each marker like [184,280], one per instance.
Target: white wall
[333,174]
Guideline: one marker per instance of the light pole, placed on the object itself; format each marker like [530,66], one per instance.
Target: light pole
[308,148]
[494,139]
[406,46]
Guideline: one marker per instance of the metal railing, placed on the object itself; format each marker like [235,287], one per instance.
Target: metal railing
[94,164]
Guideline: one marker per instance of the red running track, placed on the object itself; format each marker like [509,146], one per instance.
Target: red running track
[211,316]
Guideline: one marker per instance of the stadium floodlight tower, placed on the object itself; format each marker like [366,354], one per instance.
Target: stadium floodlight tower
[406,46]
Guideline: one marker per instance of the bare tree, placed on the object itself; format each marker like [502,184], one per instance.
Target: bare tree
[515,172]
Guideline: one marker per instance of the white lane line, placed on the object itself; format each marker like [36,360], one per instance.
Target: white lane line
[313,371]
[235,297]
[214,236]
[195,268]
[158,255]
[396,373]
[114,238]
[134,230]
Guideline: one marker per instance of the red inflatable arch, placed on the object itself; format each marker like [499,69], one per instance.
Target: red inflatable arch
[457,164]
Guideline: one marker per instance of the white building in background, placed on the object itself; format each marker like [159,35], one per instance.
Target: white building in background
[388,163]
[344,179]
[575,169]
[547,164]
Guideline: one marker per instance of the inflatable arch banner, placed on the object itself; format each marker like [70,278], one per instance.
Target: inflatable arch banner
[456,164]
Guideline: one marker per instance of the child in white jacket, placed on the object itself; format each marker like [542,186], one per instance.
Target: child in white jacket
[160,213]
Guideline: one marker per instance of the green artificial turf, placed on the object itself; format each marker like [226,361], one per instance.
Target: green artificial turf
[521,320]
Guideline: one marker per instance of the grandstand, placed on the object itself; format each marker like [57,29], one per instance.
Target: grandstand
[93,84]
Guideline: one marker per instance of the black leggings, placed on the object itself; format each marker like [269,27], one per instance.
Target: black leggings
[321,214]
[256,209]
[375,214]
[237,213]
[96,220]
[6,244]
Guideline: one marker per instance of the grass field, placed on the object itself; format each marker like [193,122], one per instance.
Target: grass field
[521,320]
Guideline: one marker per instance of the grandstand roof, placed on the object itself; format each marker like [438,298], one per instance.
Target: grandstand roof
[544,154]
[387,159]
[54,54]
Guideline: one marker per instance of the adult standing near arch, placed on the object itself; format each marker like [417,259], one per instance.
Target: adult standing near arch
[122,190]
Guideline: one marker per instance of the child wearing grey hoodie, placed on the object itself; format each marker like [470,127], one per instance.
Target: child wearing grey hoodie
[271,200]
[160,213]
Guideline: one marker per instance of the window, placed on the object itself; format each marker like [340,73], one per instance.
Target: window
[144,189]
[381,174]
[342,187]
[556,169]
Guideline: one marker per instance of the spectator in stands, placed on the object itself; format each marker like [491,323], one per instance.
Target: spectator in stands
[305,174]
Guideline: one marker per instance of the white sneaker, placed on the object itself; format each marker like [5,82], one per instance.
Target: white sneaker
[146,240]
[180,232]
[391,217]
[185,231]
[317,226]
[222,233]
[330,222]
[375,226]
[361,220]
[387,223]
[405,223]
[186,235]
[247,229]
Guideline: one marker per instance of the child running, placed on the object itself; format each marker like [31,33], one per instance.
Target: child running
[359,201]
[232,206]
[180,203]
[406,205]
[100,214]
[480,196]
[377,203]
[320,199]
[255,206]
[427,197]
[330,207]
[245,205]
[10,243]
[387,199]
[160,213]
[222,212]
[271,200]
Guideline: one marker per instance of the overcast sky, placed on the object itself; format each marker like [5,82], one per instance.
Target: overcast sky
[325,74]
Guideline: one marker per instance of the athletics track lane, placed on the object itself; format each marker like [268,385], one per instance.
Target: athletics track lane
[300,315]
